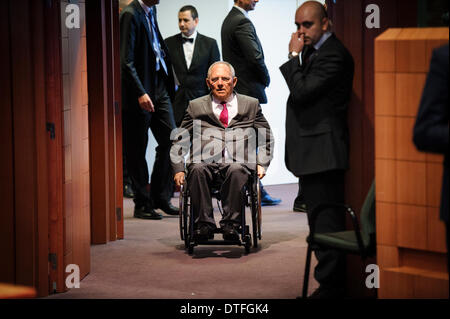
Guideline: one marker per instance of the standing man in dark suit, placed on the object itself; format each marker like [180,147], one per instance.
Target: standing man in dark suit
[241,47]
[319,75]
[431,129]
[191,53]
[147,89]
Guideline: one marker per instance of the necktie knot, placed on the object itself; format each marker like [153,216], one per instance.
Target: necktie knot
[224,114]
[191,40]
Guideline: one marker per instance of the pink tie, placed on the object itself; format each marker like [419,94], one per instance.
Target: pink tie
[224,114]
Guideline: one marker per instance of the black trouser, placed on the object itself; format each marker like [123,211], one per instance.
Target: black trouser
[135,133]
[326,187]
[232,178]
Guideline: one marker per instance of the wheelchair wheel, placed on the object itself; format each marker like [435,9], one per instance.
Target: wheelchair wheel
[258,208]
[256,213]
[181,213]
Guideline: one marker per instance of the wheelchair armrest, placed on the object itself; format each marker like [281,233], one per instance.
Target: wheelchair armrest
[347,209]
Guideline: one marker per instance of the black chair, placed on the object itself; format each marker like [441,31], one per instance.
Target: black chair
[359,241]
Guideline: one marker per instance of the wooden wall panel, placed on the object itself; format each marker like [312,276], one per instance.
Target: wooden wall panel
[385,93]
[421,268]
[98,122]
[411,226]
[386,224]
[7,235]
[23,128]
[76,159]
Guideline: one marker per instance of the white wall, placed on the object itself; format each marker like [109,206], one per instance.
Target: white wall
[274,23]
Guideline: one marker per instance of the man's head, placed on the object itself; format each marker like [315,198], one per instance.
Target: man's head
[247,5]
[221,80]
[150,2]
[187,20]
[312,21]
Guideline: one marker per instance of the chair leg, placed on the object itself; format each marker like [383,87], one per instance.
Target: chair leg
[307,267]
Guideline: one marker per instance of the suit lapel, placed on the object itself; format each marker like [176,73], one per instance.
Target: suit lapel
[143,18]
[207,109]
[180,53]
[198,43]
[242,109]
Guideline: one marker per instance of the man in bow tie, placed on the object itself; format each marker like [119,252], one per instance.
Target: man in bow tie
[235,139]
[147,91]
[319,75]
[192,54]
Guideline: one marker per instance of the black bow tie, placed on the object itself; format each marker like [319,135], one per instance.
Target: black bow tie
[187,40]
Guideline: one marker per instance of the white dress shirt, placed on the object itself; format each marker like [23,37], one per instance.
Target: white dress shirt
[232,107]
[188,48]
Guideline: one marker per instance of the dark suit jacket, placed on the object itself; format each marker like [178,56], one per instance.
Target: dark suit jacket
[137,59]
[316,117]
[431,129]
[241,48]
[242,138]
[192,80]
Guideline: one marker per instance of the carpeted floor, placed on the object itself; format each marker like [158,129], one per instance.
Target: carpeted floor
[151,261]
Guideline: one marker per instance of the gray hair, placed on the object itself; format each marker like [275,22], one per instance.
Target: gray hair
[221,62]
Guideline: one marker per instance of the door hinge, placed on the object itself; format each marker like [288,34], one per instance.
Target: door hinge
[51,128]
[52,258]
[119,214]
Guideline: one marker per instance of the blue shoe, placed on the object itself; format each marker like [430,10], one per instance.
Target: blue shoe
[267,200]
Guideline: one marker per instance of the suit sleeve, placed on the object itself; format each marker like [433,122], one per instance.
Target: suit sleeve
[128,27]
[322,76]
[246,38]
[265,139]
[431,130]
[182,139]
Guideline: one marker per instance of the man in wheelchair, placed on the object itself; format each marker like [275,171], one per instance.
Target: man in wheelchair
[227,137]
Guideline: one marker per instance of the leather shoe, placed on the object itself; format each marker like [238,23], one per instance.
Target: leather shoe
[204,232]
[128,191]
[168,208]
[144,212]
[230,232]
[267,200]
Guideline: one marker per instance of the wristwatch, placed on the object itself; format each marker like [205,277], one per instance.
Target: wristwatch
[292,54]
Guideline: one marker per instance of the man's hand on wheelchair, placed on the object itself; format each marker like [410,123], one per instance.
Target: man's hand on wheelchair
[179,179]
[260,171]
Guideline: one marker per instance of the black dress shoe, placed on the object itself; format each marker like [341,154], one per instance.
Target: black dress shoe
[299,205]
[168,208]
[144,212]
[204,232]
[128,191]
[230,232]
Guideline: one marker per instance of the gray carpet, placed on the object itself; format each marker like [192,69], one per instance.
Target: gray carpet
[151,261]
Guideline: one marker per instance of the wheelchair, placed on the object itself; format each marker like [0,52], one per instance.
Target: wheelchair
[251,196]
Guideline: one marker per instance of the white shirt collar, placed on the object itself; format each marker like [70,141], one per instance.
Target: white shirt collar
[324,38]
[242,10]
[229,100]
[145,7]
[193,36]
